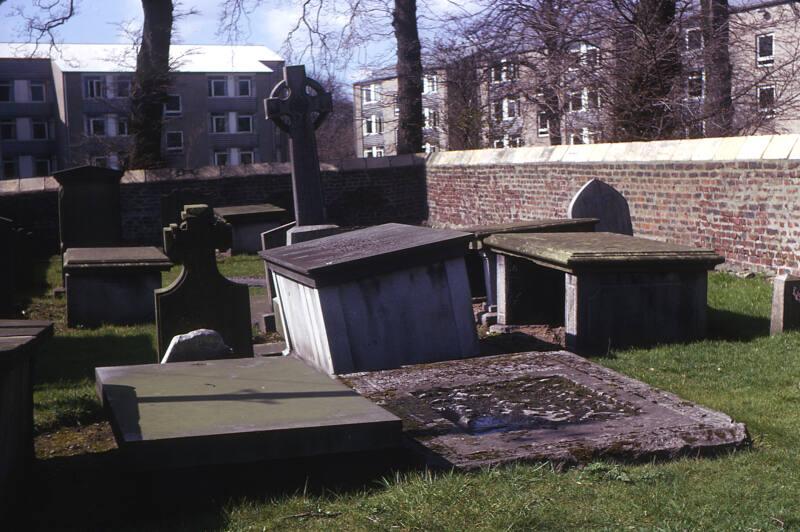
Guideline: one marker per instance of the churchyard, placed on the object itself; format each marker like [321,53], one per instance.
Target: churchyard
[600,380]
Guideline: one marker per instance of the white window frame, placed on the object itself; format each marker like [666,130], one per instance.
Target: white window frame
[224,121]
[430,118]
[587,103]
[702,95]
[173,112]
[373,124]
[767,60]
[430,148]
[572,99]
[42,160]
[173,149]
[37,84]
[90,126]
[504,71]
[10,86]
[250,153]
[122,80]
[702,39]
[771,110]
[212,93]
[251,121]
[543,130]
[94,87]
[370,94]
[46,129]
[430,84]
[218,154]
[375,151]
[510,107]
[239,87]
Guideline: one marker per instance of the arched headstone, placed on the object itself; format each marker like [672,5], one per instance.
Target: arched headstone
[597,199]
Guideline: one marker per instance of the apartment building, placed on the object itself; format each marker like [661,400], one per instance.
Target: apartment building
[376,113]
[764,51]
[71,106]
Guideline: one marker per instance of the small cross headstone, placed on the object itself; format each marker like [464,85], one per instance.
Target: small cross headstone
[201,298]
[785,304]
[597,199]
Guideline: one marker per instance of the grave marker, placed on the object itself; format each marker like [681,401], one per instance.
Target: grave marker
[201,298]
[600,200]
[785,304]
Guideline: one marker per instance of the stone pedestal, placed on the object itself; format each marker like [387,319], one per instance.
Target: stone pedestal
[620,291]
[376,298]
[785,304]
[112,285]
[248,222]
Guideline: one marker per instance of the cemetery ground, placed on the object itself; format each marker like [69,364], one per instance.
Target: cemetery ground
[740,370]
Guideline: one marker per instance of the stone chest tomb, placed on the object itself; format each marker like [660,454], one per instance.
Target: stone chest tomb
[376,298]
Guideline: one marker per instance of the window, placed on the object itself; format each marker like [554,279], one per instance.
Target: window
[175,141]
[584,136]
[508,141]
[244,124]
[584,54]
[243,86]
[123,87]
[593,99]
[220,158]
[246,157]
[375,151]
[217,87]
[101,161]
[430,148]
[576,138]
[10,168]
[694,84]
[696,130]
[41,167]
[122,126]
[765,53]
[39,129]
[6,91]
[694,39]
[431,118]
[95,126]
[544,124]
[510,108]
[369,93]
[497,111]
[373,124]
[591,57]
[515,141]
[219,123]
[504,71]
[8,129]
[576,101]
[37,91]
[94,87]
[430,84]
[766,99]
[172,107]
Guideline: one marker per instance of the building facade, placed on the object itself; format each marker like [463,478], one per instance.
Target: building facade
[72,107]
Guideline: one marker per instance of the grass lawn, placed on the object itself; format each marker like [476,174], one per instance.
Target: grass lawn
[739,370]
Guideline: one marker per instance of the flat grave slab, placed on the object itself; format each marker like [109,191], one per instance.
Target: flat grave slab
[375,298]
[618,290]
[249,221]
[112,284]
[534,406]
[237,411]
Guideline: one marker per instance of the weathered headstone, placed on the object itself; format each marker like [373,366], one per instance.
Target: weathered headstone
[201,298]
[89,207]
[298,105]
[597,199]
[785,304]
[202,344]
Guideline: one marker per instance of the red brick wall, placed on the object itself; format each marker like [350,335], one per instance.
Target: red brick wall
[747,211]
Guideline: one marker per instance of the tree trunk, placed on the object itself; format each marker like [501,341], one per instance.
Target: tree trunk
[717,106]
[409,76]
[150,84]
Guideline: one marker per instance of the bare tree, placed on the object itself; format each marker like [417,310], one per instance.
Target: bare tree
[718,103]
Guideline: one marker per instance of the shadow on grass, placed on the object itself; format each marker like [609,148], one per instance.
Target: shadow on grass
[72,358]
[97,491]
[727,325]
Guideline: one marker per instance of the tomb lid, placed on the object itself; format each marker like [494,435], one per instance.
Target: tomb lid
[237,410]
[365,253]
[88,174]
[587,251]
[543,225]
[116,257]
[251,213]
[17,337]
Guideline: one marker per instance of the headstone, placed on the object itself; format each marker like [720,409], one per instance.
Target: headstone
[298,105]
[597,199]
[785,304]
[172,204]
[202,344]
[89,207]
[376,298]
[201,298]
[249,221]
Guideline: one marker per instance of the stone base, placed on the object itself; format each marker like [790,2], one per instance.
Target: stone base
[528,293]
[113,297]
[412,316]
[304,233]
[552,406]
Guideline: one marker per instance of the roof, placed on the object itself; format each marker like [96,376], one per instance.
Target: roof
[122,57]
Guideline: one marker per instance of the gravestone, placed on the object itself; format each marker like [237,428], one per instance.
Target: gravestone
[785,304]
[298,105]
[172,204]
[597,199]
[249,221]
[202,344]
[89,207]
[201,298]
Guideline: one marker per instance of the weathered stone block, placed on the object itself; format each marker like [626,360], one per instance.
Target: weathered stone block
[785,304]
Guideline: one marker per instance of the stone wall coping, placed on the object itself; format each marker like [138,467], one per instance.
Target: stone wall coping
[748,148]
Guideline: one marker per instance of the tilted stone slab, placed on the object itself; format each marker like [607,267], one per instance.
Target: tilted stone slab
[552,406]
[237,411]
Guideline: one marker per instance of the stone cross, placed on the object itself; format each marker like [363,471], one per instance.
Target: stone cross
[298,105]
[201,298]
